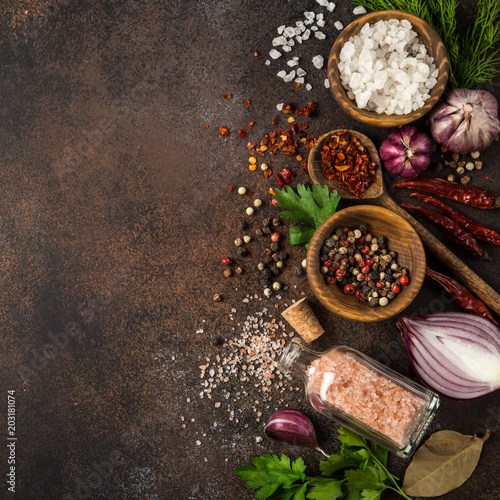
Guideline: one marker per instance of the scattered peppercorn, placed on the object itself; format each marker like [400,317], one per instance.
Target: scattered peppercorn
[264,167]
[249,211]
[247,238]
[276,285]
[242,190]
[276,222]
[267,292]
[238,242]
[226,261]
[242,252]
[228,273]
[258,232]
[276,237]
[257,203]
[217,297]
[274,246]
[297,271]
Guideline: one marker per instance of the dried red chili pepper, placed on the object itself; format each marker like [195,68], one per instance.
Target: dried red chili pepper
[230,188]
[223,131]
[452,191]
[461,295]
[455,232]
[478,230]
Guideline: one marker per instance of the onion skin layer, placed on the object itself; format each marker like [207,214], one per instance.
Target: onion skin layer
[441,369]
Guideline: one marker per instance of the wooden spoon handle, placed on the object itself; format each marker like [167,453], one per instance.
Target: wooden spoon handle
[466,275]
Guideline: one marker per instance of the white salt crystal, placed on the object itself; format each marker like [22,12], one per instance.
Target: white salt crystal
[314,28]
[327,83]
[320,23]
[299,80]
[338,25]
[423,69]
[301,72]
[318,61]
[275,54]
[362,99]
[281,74]
[309,15]
[292,63]
[308,86]
[359,10]
[348,50]
[306,34]
[281,29]
[268,62]
[320,35]
[430,83]
[355,80]
[291,42]
[279,106]
[290,76]
[300,25]
[299,39]
[323,3]
[297,31]
[402,77]
[289,31]
[286,48]
[319,16]
[279,40]
[330,7]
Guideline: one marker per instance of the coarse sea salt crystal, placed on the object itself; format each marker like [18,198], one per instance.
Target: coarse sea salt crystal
[300,79]
[279,40]
[309,15]
[359,10]
[320,35]
[301,72]
[318,61]
[290,76]
[275,54]
[289,31]
[308,86]
[327,83]
[320,23]
[286,48]
[338,25]
[281,29]
[292,63]
[306,34]
[323,3]
[281,73]
[330,6]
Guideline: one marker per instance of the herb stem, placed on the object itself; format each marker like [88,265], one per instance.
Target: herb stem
[391,477]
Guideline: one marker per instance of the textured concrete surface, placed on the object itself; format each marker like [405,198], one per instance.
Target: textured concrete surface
[114,216]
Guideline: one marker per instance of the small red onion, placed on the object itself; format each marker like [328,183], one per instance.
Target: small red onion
[455,354]
[465,120]
[293,427]
[406,151]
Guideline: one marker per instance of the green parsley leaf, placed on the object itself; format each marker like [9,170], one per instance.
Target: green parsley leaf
[325,489]
[367,479]
[337,462]
[351,439]
[294,493]
[371,494]
[309,207]
[269,472]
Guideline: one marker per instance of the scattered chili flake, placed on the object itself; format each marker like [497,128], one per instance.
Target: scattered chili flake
[256,53]
[290,119]
[223,131]
[284,177]
[206,126]
[248,102]
[250,126]
[227,96]
[274,121]
[242,133]
[250,145]
[347,161]
[230,188]
[297,85]
[271,191]
[267,173]
[251,193]
[298,157]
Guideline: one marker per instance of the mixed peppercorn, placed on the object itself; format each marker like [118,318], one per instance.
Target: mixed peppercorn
[347,161]
[362,265]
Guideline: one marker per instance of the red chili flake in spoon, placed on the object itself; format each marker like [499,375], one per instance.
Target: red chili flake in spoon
[348,162]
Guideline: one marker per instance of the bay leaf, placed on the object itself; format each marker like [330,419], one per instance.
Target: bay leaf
[444,465]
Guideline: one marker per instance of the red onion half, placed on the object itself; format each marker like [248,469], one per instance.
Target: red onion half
[465,120]
[406,151]
[456,354]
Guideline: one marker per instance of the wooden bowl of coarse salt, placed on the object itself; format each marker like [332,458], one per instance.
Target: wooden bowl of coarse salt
[380,77]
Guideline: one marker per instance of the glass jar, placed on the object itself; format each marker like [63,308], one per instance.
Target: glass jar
[364,395]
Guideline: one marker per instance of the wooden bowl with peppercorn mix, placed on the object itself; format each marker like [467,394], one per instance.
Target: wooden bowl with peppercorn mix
[364,241]
[427,36]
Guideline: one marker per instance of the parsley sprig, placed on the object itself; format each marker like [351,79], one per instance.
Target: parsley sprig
[358,473]
[309,208]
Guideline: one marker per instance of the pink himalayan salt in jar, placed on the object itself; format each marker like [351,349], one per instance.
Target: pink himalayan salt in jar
[364,395]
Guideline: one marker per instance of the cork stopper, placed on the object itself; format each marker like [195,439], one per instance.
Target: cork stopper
[303,320]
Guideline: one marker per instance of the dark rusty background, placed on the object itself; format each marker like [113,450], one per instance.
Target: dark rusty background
[114,217]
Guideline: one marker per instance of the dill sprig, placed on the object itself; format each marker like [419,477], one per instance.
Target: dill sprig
[474,56]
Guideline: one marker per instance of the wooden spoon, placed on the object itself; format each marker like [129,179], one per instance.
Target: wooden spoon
[377,194]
